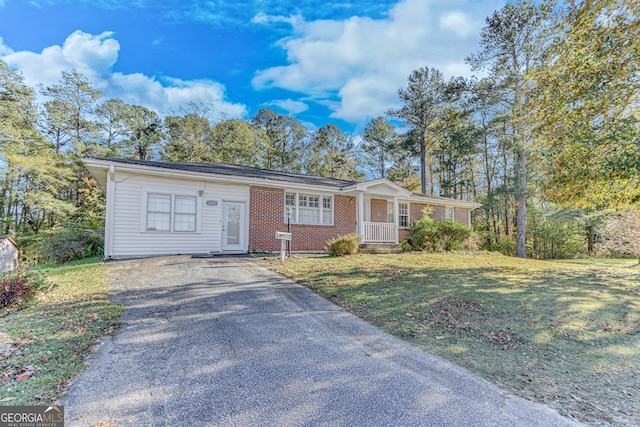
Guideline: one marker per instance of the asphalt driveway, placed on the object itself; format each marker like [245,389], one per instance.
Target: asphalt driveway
[226,342]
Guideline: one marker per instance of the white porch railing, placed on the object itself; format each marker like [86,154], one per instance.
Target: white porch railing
[379,232]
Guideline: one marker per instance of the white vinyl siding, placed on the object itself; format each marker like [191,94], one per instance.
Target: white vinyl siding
[130,236]
[312,209]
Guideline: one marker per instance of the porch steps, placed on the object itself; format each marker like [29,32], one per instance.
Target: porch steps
[380,248]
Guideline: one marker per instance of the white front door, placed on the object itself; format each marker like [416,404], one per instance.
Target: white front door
[233,227]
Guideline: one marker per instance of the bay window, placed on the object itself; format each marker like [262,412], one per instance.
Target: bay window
[307,208]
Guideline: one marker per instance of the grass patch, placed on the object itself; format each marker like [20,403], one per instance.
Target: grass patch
[564,334]
[625,262]
[44,344]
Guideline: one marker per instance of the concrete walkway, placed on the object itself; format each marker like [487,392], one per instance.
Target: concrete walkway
[226,342]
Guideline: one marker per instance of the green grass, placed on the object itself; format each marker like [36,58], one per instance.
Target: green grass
[564,334]
[625,262]
[46,342]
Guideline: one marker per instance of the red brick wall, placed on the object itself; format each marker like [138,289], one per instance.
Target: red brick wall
[266,216]
[462,215]
[438,212]
[378,210]
[415,211]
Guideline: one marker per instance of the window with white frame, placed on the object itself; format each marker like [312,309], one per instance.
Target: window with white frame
[327,210]
[158,212]
[390,212]
[290,207]
[449,213]
[403,215]
[168,212]
[184,218]
[308,208]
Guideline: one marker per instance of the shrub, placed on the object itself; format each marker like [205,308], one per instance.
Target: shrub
[347,244]
[429,234]
[506,245]
[71,243]
[423,232]
[19,286]
[452,234]
[406,246]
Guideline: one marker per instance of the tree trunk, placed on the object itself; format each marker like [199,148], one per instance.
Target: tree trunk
[507,230]
[423,167]
[521,206]
[591,240]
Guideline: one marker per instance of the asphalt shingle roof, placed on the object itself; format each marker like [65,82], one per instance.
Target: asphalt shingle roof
[239,171]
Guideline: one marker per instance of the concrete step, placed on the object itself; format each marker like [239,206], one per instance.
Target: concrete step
[380,248]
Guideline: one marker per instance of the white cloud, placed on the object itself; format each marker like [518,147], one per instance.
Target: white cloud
[361,62]
[458,22]
[4,49]
[263,18]
[95,55]
[289,105]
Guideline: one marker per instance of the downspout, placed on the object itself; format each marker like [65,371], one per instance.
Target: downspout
[109,212]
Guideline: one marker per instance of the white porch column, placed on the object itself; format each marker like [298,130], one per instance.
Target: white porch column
[360,214]
[396,217]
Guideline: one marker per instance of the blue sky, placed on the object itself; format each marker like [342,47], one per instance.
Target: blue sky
[320,61]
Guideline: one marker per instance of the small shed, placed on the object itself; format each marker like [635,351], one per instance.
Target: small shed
[9,252]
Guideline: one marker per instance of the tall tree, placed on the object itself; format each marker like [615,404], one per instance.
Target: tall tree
[423,99]
[111,120]
[330,154]
[379,144]
[33,177]
[145,133]
[458,145]
[73,100]
[282,140]
[587,106]
[57,125]
[512,44]
[188,138]
[236,142]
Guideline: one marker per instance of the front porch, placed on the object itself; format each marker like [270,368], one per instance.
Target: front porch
[379,211]
[379,232]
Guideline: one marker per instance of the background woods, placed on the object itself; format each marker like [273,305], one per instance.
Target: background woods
[547,139]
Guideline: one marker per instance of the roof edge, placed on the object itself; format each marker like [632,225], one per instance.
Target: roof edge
[105,163]
[13,242]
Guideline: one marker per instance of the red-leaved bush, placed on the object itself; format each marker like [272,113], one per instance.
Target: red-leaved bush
[19,286]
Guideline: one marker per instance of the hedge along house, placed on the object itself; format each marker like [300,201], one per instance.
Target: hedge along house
[163,208]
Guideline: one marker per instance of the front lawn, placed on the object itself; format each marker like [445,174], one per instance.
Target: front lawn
[563,334]
[45,344]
